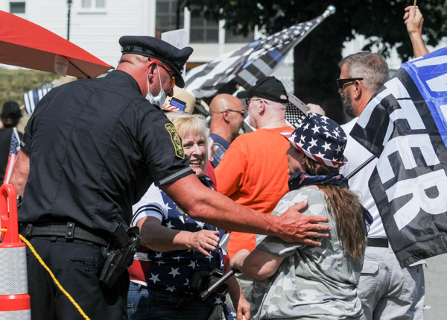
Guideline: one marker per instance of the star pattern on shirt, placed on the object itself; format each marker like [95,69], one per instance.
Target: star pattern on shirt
[174,272]
[171,271]
[154,278]
[169,225]
[200,225]
[166,206]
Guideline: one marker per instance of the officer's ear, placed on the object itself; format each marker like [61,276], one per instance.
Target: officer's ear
[152,66]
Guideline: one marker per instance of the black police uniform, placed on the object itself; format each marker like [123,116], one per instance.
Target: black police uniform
[95,147]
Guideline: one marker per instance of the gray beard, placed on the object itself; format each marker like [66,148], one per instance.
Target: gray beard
[347,104]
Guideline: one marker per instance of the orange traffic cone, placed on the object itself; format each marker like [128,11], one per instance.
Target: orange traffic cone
[14,298]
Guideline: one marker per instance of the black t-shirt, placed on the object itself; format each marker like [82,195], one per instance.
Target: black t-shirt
[95,147]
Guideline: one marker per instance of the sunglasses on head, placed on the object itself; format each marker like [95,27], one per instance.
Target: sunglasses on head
[342,82]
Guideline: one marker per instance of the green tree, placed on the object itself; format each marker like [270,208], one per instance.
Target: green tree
[317,56]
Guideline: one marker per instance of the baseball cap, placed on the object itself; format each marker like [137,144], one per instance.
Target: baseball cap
[269,88]
[11,109]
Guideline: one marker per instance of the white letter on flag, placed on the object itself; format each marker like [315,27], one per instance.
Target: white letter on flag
[416,187]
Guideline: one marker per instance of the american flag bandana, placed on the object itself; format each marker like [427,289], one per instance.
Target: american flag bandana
[320,139]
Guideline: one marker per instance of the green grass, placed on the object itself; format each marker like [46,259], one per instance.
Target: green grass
[14,83]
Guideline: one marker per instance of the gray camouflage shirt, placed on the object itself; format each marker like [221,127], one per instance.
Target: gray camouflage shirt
[312,282]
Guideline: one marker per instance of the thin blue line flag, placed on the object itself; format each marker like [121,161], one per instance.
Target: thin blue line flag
[404,125]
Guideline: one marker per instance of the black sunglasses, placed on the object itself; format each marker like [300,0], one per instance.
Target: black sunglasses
[342,82]
[248,100]
[230,110]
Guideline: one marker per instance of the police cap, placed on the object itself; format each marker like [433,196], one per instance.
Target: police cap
[168,54]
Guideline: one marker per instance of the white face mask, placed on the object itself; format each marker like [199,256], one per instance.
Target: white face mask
[160,99]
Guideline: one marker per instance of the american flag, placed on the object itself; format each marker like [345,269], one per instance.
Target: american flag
[14,148]
[248,64]
[404,125]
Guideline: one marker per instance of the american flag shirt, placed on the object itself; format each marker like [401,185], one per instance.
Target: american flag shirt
[171,271]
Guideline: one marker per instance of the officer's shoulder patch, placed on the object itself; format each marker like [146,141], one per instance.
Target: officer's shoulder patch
[176,140]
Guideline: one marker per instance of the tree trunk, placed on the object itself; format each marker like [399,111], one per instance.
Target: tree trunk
[316,70]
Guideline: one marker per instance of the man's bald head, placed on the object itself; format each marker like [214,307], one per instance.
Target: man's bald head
[225,101]
[226,117]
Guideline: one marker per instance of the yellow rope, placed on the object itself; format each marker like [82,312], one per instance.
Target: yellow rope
[52,275]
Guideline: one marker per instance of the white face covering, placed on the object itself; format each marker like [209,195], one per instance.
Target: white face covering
[160,99]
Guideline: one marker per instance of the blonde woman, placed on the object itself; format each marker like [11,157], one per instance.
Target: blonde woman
[184,252]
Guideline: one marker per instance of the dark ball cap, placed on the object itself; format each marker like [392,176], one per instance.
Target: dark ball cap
[166,53]
[11,110]
[269,88]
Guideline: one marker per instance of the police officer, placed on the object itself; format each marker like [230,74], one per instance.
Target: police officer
[90,151]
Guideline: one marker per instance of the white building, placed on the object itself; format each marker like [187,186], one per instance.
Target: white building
[96,26]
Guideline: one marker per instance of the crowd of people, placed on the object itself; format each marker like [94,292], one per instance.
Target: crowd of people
[102,158]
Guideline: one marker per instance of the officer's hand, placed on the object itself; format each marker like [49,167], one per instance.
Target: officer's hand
[297,227]
[203,241]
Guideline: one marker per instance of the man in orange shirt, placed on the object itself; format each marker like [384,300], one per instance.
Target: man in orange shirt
[253,171]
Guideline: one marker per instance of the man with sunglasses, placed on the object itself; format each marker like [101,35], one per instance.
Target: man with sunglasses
[226,116]
[90,151]
[386,291]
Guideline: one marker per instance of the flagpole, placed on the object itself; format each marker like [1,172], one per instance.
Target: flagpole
[365,163]
[328,12]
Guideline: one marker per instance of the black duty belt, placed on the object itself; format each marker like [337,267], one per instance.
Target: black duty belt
[68,231]
[377,242]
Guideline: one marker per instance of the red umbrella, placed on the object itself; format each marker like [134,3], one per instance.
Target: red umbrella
[25,44]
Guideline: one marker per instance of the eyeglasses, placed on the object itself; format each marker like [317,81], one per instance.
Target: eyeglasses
[342,82]
[248,101]
[238,111]
[168,70]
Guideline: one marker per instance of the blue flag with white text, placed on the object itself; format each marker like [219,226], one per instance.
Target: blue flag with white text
[404,125]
